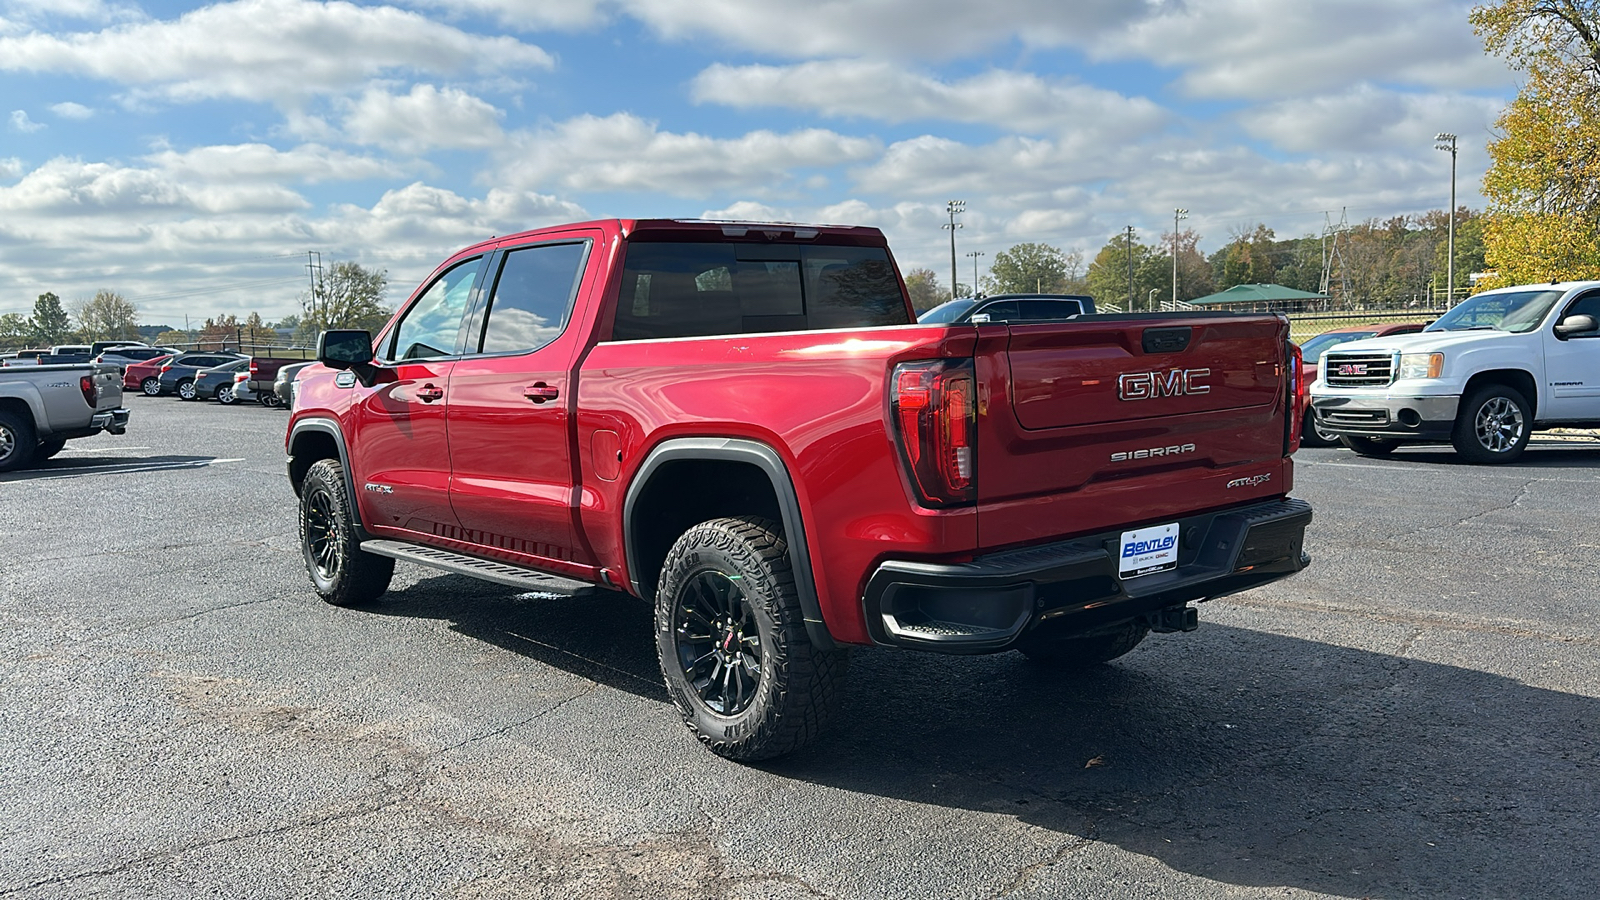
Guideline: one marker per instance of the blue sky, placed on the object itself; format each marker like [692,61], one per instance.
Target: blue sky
[188,156]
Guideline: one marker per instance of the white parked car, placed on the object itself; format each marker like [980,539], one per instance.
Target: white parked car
[1484,377]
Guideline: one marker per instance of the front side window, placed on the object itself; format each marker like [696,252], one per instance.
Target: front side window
[432,327]
[533,296]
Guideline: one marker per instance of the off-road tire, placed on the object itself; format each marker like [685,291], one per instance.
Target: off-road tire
[797,685]
[1368,446]
[186,389]
[18,444]
[1311,437]
[340,571]
[1493,425]
[151,386]
[1069,652]
[50,447]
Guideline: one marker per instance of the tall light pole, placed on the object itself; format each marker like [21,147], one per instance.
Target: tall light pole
[1177,214]
[975,254]
[953,207]
[1130,268]
[1447,141]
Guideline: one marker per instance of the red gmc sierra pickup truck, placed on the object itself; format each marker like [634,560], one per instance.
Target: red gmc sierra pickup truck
[743,424]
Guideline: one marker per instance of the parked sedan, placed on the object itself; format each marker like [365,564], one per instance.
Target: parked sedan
[217,381]
[177,374]
[135,375]
[1311,354]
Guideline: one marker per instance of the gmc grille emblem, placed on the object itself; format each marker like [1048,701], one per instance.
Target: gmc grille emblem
[1353,369]
[1174,383]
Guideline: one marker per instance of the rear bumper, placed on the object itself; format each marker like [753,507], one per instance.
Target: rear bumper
[112,420]
[985,605]
[1409,418]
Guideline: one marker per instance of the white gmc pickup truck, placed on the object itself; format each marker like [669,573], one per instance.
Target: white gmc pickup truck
[42,407]
[1484,377]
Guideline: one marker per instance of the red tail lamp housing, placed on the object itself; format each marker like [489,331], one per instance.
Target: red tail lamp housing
[936,422]
[1296,401]
[90,395]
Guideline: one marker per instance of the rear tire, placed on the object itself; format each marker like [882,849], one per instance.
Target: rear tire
[732,642]
[1493,425]
[18,443]
[225,395]
[50,447]
[1077,652]
[1368,446]
[340,571]
[151,386]
[186,389]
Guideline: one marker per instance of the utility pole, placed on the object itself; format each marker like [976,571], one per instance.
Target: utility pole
[315,271]
[975,254]
[1177,214]
[1130,268]
[1447,141]
[953,208]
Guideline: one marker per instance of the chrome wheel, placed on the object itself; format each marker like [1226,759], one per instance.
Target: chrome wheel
[150,386]
[718,642]
[323,536]
[1499,424]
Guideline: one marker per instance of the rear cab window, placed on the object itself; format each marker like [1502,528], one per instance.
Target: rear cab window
[702,289]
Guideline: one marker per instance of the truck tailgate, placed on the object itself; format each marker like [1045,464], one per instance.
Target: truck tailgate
[1126,420]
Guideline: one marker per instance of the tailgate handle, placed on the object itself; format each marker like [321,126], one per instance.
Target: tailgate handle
[1166,340]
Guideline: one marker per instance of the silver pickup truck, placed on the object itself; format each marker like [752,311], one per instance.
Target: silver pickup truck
[43,407]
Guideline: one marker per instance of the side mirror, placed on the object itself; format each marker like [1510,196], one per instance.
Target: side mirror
[344,348]
[1575,325]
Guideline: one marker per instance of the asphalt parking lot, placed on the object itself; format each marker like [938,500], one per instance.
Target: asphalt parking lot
[1417,715]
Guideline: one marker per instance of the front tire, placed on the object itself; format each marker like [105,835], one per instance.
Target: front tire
[732,642]
[1493,425]
[18,442]
[340,571]
[1074,653]
[1311,435]
[1368,446]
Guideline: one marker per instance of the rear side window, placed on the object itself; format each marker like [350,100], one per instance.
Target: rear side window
[532,297]
[1040,310]
[701,289]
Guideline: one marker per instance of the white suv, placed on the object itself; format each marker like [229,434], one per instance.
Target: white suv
[1484,377]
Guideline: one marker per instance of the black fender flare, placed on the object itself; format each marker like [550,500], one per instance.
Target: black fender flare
[329,427]
[768,461]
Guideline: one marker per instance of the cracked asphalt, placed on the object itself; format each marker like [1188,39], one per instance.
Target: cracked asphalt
[1417,715]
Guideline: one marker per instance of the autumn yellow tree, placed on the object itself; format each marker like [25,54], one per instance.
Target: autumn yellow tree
[1543,183]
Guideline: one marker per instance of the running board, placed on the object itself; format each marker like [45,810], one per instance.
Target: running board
[485,569]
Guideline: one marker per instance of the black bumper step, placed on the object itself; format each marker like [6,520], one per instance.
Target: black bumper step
[485,569]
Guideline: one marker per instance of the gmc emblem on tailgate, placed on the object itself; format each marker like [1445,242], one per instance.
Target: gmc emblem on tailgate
[1150,385]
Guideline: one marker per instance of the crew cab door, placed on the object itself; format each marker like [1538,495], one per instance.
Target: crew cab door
[401,453]
[1572,367]
[511,401]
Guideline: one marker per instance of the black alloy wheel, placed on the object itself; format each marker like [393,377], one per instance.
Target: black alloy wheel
[718,641]
[342,573]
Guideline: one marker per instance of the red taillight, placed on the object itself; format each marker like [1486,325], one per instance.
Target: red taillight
[253,368]
[165,368]
[1296,399]
[935,416]
[90,395]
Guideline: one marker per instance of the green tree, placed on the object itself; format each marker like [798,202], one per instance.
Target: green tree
[1247,259]
[1108,274]
[108,316]
[923,286]
[50,323]
[1029,268]
[1195,278]
[1543,182]
[350,296]
[14,330]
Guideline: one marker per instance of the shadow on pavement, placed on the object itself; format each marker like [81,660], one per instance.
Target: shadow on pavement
[82,466]
[1239,756]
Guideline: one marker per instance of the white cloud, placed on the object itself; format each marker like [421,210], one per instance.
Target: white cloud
[69,187]
[277,51]
[70,110]
[238,163]
[1366,118]
[34,12]
[10,167]
[880,90]
[528,14]
[424,119]
[622,152]
[21,122]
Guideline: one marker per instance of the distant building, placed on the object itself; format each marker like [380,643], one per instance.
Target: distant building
[1262,298]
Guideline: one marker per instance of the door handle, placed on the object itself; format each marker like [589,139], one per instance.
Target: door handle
[539,392]
[429,393]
